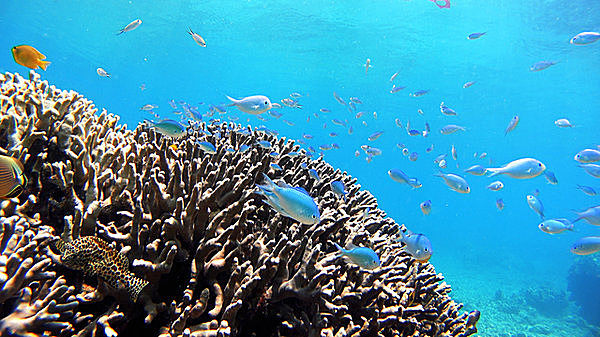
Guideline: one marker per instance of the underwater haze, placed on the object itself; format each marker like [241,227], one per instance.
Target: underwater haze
[497,261]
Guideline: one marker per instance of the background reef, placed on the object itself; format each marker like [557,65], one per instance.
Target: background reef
[218,261]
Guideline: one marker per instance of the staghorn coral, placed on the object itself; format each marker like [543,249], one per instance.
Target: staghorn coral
[218,261]
[33,298]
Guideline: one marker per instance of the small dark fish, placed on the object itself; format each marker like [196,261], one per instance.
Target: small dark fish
[474,36]
[512,125]
[396,88]
[500,203]
[447,110]
[338,98]
[468,84]
[550,177]
[419,93]
[541,65]
[587,190]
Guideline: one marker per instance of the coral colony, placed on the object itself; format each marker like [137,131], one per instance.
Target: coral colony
[120,232]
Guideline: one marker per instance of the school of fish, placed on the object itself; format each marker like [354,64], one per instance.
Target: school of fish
[295,202]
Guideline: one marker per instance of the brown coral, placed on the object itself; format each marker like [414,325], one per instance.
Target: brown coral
[219,262]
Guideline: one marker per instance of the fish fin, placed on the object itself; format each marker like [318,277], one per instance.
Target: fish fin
[233,100]
[121,32]
[567,224]
[134,285]
[270,183]
[339,248]
[492,171]
[60,245]
[43,64]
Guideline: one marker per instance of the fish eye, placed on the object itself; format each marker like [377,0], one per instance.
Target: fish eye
[314,217]
[266,102]
[540,164]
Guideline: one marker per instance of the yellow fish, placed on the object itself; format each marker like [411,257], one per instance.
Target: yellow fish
[29,57]
[12,178]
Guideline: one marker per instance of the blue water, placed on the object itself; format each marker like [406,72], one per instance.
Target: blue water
[318,47]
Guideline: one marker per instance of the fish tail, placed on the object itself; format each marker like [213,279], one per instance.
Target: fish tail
[233,100]
[134,285]
[493,171]
[44,64]
[339,248]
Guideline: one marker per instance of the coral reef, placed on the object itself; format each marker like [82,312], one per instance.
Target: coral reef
[217,260]
[546,300]
[582,282]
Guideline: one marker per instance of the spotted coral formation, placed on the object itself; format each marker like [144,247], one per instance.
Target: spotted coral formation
[217,260]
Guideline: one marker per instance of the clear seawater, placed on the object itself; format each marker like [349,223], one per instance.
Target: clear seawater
[318,47]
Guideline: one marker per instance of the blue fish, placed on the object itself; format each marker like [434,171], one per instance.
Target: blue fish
[363,256]
[586,245]
[207,147]
[426,207]
[587,190]
[292,202]
[313,173]
[591,215]
[474,36]
[419,93]
[476,170]
[451,128]
[417,245]
[541,65]
[555,226]
[401,177]
[338,188]
[550,177]
[536,205]
[244,148]
[264,144]
[447,110]
[585,38]
[168,127]
[396,88]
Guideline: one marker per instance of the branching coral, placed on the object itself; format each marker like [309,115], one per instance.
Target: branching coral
[217,259]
